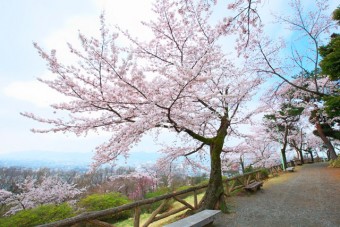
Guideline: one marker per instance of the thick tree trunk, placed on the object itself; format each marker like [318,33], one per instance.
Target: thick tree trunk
[327,142]
[214,197]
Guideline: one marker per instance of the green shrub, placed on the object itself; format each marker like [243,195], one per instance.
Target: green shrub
[195,180]
[203,182]
[158,192]
[335,163]
[96,202]
[249,169]
[264,173]
[182,188]
[151,207]
[37,216]
[237,183]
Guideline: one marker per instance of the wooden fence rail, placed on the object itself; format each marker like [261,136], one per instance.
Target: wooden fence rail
[231,184]
[88,216]
[240,181]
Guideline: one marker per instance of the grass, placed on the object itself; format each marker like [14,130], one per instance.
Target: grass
[144,217]
[335,163]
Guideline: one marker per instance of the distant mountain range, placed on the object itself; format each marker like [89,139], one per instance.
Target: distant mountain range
[67,160]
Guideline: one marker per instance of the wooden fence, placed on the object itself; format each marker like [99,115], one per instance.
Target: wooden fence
[231,184]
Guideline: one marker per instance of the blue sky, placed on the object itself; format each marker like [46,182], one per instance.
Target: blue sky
[52,24]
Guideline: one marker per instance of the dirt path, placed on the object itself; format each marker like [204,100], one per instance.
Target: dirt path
[308,197]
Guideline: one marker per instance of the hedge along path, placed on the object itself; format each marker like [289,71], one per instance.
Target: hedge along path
[308,197]
[92,217]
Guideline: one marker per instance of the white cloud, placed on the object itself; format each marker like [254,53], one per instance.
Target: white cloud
[34,92]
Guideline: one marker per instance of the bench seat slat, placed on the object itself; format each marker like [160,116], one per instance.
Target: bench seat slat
[199,219]
[254,185]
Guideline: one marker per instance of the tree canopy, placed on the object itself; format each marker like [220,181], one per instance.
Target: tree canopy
[182,80]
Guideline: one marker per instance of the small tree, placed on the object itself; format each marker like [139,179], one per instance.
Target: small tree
[51,190]
[296,141]
[310,27]
[134,185]
[280,123]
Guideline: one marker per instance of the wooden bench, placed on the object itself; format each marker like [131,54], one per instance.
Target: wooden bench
[256,185]
[199,219]
[290,169]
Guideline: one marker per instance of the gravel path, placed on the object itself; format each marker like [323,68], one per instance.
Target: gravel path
[308,197]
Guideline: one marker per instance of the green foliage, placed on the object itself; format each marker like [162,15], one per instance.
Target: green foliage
[151,207]
[270,117]
[286,113]
[158,192]
[332,106]
[37,216]
[249,169]
[336,15]
[104,201]
[182,188]
[3,210]
[235,182]
[203,182]
[195,180]
[264,173]
[330,64]
[335,163]
[295,111]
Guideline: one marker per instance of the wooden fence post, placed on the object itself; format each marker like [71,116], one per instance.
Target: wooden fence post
[195,200]
[137,217]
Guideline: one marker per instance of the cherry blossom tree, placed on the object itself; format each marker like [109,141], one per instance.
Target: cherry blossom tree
[236,155]
[313,143]
[296,141]
[180,81]
[51,190]
[281,120]
[258,150]
[135,185]
[311,27]
[4,195]
[264,149]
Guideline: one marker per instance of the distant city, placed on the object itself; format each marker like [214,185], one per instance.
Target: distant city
[67,161]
